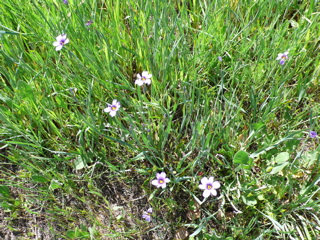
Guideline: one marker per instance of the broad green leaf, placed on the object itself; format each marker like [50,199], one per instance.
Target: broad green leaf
[39,179]
[282,157]
[79,163]
[250,201]
[54,184]
[71,234]
[241,157]
[278,168]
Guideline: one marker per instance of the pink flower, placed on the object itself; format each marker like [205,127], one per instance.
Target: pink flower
[161,180]
[209,186]
[147,215]
[112,108]
[144,78]
[282,57]
[61,41]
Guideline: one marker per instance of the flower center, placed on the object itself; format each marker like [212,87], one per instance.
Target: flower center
[209,186]
[161,181]
[62,41]
[113,108]
[143,78]
[284,57]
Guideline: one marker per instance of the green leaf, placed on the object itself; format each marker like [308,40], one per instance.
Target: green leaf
[4,191]
[250,201]
[54,184]
[278,168]
[282,157]
[257,126]
[241,157]
[39,179]
[6,32]
[79,163]
[71,234]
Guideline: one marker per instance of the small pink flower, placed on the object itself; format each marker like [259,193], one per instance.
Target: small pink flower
[112,108]
[209,186]
[61,41]
[282,57]
[89,23]
[147,215]
[144,78]
[313,134]
[161,180]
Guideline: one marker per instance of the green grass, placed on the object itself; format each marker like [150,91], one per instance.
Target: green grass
[70,171]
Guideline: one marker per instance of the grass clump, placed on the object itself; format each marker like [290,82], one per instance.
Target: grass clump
[75,164]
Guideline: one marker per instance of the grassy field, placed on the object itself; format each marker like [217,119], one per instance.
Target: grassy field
[81,142]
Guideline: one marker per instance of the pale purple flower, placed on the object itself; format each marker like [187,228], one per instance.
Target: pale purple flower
[113,108]
[89,23]
[220,59]
[61,41]
[209,186]
[313,134]
[161,180]
[65,2]
[147,215]
[144,78]
[282,57]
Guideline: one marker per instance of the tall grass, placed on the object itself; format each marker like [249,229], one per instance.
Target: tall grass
[70,171]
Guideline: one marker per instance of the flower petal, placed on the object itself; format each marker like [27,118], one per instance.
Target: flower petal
[213,192]
[59,38]
[108,109]
[58,48]
[202,186]
[113,113]
[162,175]
[145,74]
[158,175]
[56,44]
[210,180]
[138,82]
[216,185]
[155,183]
[206,193]
[204,180]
